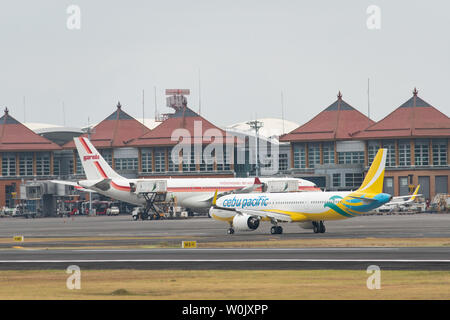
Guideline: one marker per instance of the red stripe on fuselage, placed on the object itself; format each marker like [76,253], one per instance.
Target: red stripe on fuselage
[86,147]
[194,189]
[121,188]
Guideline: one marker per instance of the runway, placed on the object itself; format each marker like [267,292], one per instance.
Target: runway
[230,259]
[67,241]
[121,228]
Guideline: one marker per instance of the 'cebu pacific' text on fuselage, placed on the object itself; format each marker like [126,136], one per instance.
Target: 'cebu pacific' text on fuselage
[260,201]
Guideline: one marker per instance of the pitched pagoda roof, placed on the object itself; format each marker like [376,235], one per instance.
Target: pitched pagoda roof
[14,136]
[183,118]
[414,118]
[337,122]
[117,130]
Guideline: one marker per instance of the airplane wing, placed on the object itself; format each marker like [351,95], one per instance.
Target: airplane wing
[267,214]
[256,184]
[399,200]
[72,184]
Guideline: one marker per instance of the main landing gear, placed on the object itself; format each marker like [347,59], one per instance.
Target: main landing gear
[318,227]
[276,230]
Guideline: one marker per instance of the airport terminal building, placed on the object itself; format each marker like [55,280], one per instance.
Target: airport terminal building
[336,148]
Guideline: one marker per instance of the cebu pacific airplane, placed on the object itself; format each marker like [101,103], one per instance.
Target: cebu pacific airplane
[244,212]
[193,194]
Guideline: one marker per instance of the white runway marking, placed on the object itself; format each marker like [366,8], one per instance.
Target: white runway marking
[226,260]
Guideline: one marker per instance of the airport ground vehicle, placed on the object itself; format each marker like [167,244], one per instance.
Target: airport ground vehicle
[19,210]
[139,214]
[112,211]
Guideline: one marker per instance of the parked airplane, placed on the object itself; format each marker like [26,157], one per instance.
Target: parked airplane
[193,194]
[399,201]
[308,209]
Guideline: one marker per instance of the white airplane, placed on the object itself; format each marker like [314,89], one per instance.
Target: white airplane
[398,201]
[193,194]
[308,209]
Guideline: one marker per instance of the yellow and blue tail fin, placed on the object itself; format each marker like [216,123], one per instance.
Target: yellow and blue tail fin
[373,182]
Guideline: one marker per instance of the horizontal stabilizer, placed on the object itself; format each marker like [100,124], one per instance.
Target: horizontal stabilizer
[103,184]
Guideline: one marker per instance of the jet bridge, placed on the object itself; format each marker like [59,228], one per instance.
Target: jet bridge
[154,192]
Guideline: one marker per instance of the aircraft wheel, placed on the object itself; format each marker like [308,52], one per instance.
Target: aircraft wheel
[135,217]
[316,227]
[279,230]
[230,231]
[144,216]
[321,227]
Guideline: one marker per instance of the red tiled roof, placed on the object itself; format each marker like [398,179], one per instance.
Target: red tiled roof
[414,118]
[185,119]
[337,122]
[14,136]
[117,130]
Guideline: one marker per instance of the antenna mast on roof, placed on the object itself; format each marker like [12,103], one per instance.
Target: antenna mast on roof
[282,109]
[143,107]
[199,94]
[368,98]
[24,110]
[156,106]
[256,125]
[64,114]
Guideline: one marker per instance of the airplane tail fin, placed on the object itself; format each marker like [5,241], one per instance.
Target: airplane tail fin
[214,199]
[415,193]
[93,163]
[373,182]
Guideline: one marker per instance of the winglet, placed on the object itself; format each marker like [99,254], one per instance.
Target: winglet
[257,181]
[215,198]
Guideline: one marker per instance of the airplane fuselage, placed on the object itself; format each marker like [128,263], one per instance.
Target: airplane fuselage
[187,193]
[299,206]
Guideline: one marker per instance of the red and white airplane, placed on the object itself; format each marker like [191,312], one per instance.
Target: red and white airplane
[195,194]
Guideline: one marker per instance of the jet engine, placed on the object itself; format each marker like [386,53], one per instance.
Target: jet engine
[306,225]
[245,222]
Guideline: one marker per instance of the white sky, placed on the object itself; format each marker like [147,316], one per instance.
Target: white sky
[247,53]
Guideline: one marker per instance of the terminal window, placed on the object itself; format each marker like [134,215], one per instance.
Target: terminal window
[439,152]
[421,152]
[8,164]
[26,164]
[353,180]
[299,157]
[404,153]
[328,153]
[146,160]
